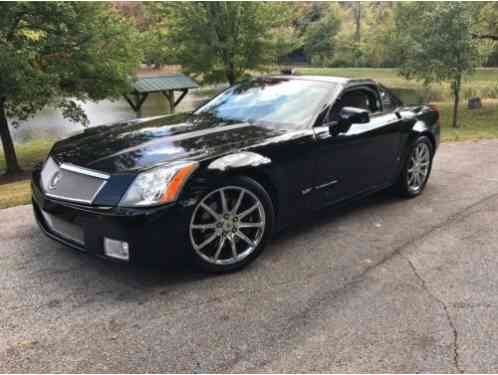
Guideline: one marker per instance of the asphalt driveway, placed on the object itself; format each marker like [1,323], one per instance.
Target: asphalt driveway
[383,285]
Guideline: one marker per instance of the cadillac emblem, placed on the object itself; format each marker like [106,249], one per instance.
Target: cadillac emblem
[55,180]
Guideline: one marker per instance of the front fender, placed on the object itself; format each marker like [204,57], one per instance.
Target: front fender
[238,161]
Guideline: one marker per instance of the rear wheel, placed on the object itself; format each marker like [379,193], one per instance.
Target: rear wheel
[417,168]
[230,225]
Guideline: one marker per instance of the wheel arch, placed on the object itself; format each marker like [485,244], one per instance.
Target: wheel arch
[414,135]
[262,178]
[421,128]
[249,164]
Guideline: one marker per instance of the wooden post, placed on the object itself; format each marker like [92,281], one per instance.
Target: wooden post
[184,92]
[130,102]
[141,101]
[137,104]
[170,95]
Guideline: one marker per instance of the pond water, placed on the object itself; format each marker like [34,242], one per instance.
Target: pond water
[408,96]
[49,123]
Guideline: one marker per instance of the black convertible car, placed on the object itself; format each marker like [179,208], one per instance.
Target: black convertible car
[216,183]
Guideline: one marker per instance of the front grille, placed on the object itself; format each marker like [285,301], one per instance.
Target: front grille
[70,182]
[65,229]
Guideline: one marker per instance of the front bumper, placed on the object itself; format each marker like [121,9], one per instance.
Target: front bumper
[152,233]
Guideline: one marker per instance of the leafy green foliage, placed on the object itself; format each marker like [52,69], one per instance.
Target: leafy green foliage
[60,53]
[331,35]
[285,40]
[52,51]
[486,16]
[379,41]
[222,40]
[435,43]
[319,37]
[487,26]
[157,48]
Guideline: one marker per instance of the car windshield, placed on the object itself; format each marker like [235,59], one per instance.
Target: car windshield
[277,101]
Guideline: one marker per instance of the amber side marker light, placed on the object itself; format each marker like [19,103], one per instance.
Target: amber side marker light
[436,109]
[174,187]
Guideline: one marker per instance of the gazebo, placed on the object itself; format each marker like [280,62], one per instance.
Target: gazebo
[165,84]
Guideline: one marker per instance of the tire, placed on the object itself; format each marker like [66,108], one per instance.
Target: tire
[407,185]
[230,225]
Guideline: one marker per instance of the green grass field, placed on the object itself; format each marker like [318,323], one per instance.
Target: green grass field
[483,83]
[474,124]
[28,154]
[17,191]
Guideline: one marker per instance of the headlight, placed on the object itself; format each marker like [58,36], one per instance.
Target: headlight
[158,185]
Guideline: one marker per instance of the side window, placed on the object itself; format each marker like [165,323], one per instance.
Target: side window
[322,117]
[359,98]
[389,101]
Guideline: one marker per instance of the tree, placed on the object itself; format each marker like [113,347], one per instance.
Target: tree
[486,31]
[378,35]
[486,27]
[319,37]
[222,40]
[436,45]
[285,40]
[357,20]
[60,54]
[307,12]
[157,51]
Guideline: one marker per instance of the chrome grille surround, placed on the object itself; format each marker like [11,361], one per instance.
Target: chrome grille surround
[71,183]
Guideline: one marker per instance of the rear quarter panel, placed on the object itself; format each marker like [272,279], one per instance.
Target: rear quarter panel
[418,121]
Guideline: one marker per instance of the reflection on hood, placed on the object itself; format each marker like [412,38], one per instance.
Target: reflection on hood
[145,143]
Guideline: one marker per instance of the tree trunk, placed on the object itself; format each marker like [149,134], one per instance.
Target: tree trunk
[8,146]
[357,16]
[230,76]
[171,101]
[456,94]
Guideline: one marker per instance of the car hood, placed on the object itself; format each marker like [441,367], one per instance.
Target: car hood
[144,143]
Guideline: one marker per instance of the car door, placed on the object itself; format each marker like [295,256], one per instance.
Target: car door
[360,158]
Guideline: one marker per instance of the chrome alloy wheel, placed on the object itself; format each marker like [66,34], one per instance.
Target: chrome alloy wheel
[418,167]
[227,225]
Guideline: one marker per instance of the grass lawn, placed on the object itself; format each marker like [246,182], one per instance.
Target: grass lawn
[29,154]
[15,193]
[483,83]
[474,124]
[16,190]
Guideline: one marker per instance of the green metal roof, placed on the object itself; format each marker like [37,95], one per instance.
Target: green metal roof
[164,83]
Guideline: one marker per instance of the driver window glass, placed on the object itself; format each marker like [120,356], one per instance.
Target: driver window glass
[389,101]
[361,98]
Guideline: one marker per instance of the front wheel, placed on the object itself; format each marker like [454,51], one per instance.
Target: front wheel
[417,168]
[230,225]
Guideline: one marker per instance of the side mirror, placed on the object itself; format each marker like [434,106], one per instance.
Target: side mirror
[347,117]
[353,115]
